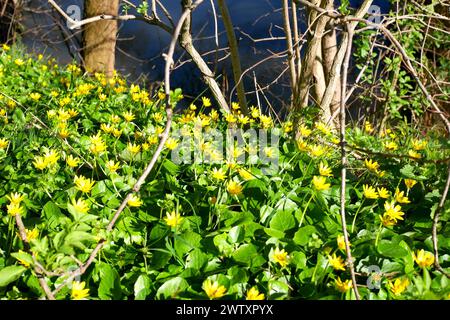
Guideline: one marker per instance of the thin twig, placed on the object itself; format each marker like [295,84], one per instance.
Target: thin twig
[345,64]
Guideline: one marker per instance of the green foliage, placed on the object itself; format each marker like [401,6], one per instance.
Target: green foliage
[192,234]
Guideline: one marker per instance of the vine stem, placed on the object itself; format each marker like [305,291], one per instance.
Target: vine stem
[304,210]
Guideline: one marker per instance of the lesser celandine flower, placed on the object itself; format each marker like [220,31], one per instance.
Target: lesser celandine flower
[112,166]
[254,112]
[213,289]
[419,144]
[32,234]
[97,144]
[72,161]
[19,62]
[173,219]
[387,221]
[414,154]
[35,96]
[369,192]
[3,143]
[80,205]
[400,197]
[391,145]
[410,183]
[320,183]
[383,192]
[133,148]
[39,163]
[128,116]
[234,188]
[218,174]
[78,291]
[171,143]
[206,102]
[134,201]
[83,184]
[266,121]
[14,209]
[317,150]
[281,257]
[15,198]
[324,170]
[423,258]
[341,242]
[368,127]
[343,286]
[398,286]
[371,165]
[336,262]
[254,294]
[304,131]
[393,211]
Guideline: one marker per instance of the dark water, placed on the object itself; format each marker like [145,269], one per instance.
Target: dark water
[140,45]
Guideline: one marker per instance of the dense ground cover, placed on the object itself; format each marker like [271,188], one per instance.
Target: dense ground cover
[72,147]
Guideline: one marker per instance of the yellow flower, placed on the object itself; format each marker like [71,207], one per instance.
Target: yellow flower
[371,165]
[243,119]
[102,97]
[304,131]
[322,127]
[317,150]
[269,152]
[235,106]
[324,170]
[173,218]
[133,148]
[5,47]
[393,211]
[112,166]
[83,184]
[288,126]
[3,143]
[35,96]
[106,128]
[78,291]
[400,198]
[218,174]
[387,221]
[39,163]
[383,192]
[214,115]
[253,294]
[341,242]
[230,118]
[266,121]
[343,286]
[19,62]
[157,116]
[423,258]
[320,183]
[192,107]
[246,175]
[72,112]
[32,234]
[97,144]
[410,183]
[369,192]
[171,143]
[63,133]
[206,102]
[51,157]
[115,118]
[161,95]
[419,144]
[72,161]
[23,262]
[398,286]
[414,154]
[80,205]
[380,173]
[281,257]
[134,201]
[336,262]
[213,289]
[128,116]
[368,127]
[16,198]
[117,133]
[255,112]
[234,188]
[391,145]
[14,209]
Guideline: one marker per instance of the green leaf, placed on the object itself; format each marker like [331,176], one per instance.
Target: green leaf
[109,288]
[282,220]
[142,287]
[186,242]
[172,288]
[391,250]
[302,236]
[10,274]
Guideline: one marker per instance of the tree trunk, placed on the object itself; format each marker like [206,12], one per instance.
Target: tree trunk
[99,38]
[9,12]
